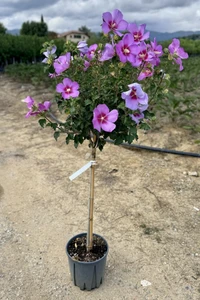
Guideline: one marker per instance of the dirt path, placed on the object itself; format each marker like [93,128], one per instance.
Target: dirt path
[147,210]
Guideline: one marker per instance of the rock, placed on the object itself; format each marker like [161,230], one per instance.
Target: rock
[145,283]
[195,174]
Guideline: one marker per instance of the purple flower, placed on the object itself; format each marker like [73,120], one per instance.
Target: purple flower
[82,47]
[137,117]
[142,54]
[107,53]
[31,113]
[135,97]
[44,106]
[113,22]
[91,51]
[177,53]
[138,32]
[29,101]
[53,75]
[147,71]
[49,53]
[68,88]
[86,65]
[125,49]
[157,51]
[142,107]
[104,119]
[62,63]
[33,109]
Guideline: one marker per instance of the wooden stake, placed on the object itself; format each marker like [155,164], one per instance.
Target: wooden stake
[91,199]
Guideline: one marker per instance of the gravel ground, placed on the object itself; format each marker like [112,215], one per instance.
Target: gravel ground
[147,207]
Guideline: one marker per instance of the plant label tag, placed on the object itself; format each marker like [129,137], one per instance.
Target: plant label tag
[83,169]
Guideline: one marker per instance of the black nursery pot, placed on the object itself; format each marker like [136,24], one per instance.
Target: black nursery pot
[87,275]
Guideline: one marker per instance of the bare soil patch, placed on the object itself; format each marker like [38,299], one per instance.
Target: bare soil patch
[146,206]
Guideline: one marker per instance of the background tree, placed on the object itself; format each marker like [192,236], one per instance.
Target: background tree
[34,28]
[2,29]
[85,29]
[52,34]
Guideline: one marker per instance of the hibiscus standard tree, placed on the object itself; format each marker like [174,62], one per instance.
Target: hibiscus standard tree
[106,90]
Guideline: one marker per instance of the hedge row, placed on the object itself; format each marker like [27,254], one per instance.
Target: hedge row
[23,48]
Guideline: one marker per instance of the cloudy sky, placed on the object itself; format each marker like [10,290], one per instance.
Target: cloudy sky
[64,15]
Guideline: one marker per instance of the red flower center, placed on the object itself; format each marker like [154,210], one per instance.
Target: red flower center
[133,94]
[102,118]
[126,50]
[137,36]
[68,90]
[112,25]
[147,71]
[143,55]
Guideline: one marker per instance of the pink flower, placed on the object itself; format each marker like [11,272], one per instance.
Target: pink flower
[114,22]
[82,47]
[44,106]
[137,117]
[138,32]
[125,49]
[53,75]
[33,109]
[91,51]
[103,118]
[156,51]
[62,63]
[30,102]
[86,65]
[147,71]
[142,54]
[49,53]
[177,53]
[135,97]
[68,88]
[107,53]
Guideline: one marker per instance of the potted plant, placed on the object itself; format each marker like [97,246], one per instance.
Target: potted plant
[106,91]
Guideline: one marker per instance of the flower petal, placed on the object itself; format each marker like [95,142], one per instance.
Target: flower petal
[59,87]
[102,108]
[117,15]
[108,126]
[112,116]
[107,17]
[67,82]
[96,124]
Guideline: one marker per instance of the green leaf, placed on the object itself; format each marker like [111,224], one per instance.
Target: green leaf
[54,125]
[56,135]
[42,122]
[144,126]
[121,106]
[133,130]
[130,138]
[119,140]
[187,127]
[88,102]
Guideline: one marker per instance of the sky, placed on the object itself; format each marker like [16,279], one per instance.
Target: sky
[65,15]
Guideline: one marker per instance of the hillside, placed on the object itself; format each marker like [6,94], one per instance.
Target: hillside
[163,36]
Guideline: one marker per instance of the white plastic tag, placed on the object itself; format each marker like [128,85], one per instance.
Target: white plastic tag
[83,169]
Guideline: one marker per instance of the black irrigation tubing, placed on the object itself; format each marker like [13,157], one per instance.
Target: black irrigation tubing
[162,150]
[142,147]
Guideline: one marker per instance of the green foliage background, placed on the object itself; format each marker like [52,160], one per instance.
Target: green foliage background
[24,48]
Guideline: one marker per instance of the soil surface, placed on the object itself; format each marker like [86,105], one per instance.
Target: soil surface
[147,207]
[77,249]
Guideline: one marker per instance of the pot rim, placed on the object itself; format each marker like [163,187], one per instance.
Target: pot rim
[85,262]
